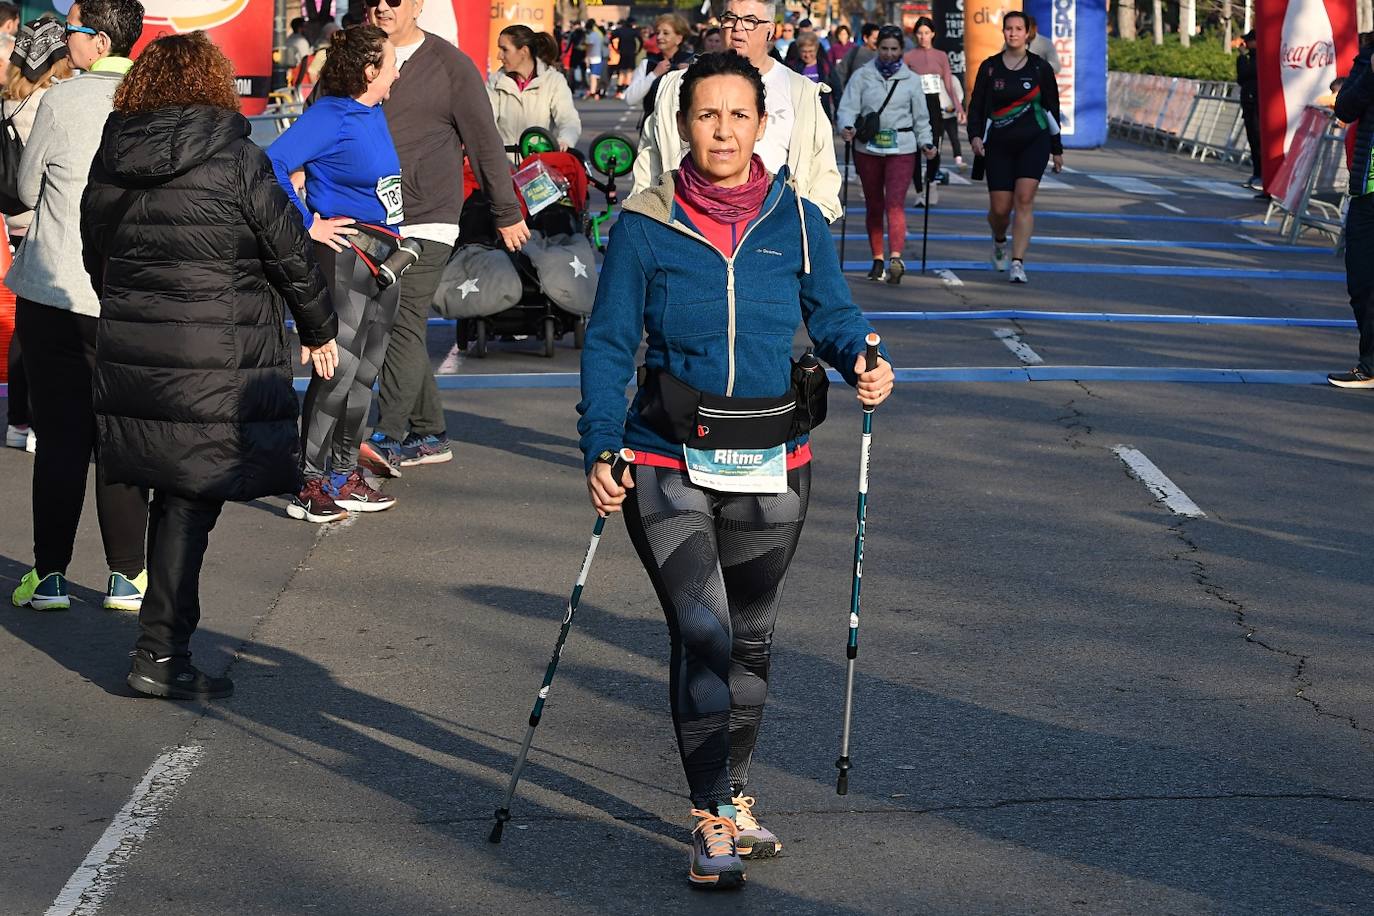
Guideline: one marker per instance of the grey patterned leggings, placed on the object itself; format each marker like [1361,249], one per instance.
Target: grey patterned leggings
[335,411]
[717,562]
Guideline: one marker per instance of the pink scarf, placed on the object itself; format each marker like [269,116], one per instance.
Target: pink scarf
[724,205]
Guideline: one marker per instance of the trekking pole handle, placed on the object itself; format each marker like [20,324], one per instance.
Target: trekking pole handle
[623,459]
[871,352]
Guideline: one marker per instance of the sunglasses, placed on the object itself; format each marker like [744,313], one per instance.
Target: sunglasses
[391,3]
[69,30]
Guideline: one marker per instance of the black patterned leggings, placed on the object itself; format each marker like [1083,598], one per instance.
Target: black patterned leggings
[717,562]
[335,411]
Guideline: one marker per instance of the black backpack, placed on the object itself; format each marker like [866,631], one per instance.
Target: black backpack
[11,151]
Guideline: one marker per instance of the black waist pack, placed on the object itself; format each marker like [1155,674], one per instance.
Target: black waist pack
[385,253]
[683,415]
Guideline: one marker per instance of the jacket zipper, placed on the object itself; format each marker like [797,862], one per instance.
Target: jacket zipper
[729,283]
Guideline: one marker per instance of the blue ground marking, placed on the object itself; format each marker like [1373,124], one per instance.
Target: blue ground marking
[1085,241]
[1149,270]
[1111,317]
[1075,214]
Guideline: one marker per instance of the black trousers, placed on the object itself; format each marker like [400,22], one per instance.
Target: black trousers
[59,361]
[17,401]
[407,397]
[178,535]
[1359,273]
[1249,111]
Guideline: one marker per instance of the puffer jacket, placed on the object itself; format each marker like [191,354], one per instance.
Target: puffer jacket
[197,255]
[722,325]
[1355,103]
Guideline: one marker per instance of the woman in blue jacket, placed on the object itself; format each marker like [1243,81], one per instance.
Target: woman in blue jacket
[718,263]
[352,175]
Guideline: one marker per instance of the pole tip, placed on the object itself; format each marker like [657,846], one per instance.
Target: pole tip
[502,815]
[842,783]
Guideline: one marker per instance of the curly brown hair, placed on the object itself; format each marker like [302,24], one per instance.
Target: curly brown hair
[175,71]
[351,52]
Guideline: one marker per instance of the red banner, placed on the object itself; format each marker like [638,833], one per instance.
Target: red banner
[241,28]
[466,23]
[1302,46]
[1291,177]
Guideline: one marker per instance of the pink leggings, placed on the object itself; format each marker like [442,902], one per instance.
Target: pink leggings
[885,180]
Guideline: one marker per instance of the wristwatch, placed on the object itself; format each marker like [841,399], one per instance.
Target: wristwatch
[606,457]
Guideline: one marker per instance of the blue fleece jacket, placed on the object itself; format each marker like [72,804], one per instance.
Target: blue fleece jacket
[350,163]
[661,279]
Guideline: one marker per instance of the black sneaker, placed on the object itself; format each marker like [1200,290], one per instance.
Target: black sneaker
[895,269]
[1352,379]
[877,271]
[175,678]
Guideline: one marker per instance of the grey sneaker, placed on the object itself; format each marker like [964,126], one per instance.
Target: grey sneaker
[1355,378]
[999,255]
[755,841]
[715,863]
[1018,272]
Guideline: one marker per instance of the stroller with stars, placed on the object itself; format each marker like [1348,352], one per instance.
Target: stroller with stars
[545,290]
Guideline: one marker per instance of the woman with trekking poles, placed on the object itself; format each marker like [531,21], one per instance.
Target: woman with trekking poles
[1013,127]
[931,66]
[885,111]
[719,263]
[353,185]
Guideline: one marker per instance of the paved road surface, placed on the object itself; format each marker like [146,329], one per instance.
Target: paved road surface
[1074,695]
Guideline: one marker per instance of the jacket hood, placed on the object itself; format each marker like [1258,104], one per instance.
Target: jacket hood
[154,146]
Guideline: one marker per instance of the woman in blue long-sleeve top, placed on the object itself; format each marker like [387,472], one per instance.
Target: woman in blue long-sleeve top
[352,175]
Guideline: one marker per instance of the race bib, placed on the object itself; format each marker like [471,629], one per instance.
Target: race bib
[930,83]
[738,470]
[884,139]
[389,193]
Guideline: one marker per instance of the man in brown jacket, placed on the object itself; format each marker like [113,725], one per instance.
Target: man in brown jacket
[433,122]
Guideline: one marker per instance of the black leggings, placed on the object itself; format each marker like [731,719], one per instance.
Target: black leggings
[718,562]
[335,411]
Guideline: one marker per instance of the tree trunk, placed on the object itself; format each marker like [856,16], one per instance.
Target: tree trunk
[1226,13]
[1187,22]
[1364,15]
[1157,10]
[1125,19]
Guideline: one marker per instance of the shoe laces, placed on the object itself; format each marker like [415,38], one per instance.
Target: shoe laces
[718,833]
[744,815]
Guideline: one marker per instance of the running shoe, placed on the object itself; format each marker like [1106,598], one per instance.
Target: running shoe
[174,678]
[959,162]
[1355,378]
[755,841]
[381,455]
[16,436]
[46,594]
[1018,272]
[933,194]
[125,594]
[315,502]
[895,269]
[999,255]
[357,495]
[877,272]
[425,450]
[715,863]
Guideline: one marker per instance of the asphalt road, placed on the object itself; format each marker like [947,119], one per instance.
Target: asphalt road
[1071,697]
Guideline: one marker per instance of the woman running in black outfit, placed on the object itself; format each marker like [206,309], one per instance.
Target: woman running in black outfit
[1013,123]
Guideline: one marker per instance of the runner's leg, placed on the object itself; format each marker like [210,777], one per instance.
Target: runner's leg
[326,400]
[871,178]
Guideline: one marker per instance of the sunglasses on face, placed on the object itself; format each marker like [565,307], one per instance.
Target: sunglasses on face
[69,30]
[373,3]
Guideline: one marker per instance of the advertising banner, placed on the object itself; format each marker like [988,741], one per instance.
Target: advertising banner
[949,33]
[1302,46]
[1078,29]
[241,28]
[982,34]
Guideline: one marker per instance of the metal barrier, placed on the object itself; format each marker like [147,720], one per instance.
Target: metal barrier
[1198,117]
[1319,195]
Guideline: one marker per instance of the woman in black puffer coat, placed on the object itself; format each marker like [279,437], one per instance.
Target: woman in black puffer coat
[196,255]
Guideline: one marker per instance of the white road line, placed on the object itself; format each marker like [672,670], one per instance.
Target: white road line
[1133,185]
[949,277]
[1169,207]
[1050,183]
[956,178]
[1254,241]
[95,877]
[1016,345]
[1220,188]
[1164,489]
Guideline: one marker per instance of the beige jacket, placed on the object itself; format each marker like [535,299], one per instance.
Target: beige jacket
[810,154]
[546,102]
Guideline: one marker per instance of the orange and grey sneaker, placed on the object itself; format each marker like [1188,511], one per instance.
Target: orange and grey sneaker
[754,841]
[716,864]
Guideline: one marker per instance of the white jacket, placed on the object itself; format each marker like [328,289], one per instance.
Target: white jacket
[546,102]
[810,154]
[906,112]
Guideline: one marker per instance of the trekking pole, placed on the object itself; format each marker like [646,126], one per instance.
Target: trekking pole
[852,648]
[932,166]
[844,205]
[622,461]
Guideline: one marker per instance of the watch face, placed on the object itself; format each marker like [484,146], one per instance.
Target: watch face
[607,456]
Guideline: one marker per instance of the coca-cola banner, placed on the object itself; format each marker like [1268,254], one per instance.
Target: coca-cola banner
[241,28]
[1078,29]
[1302,46]
[948,16]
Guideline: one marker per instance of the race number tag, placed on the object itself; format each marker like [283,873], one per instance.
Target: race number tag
[389,193]
[930,83]
[738,470]
[884,139]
